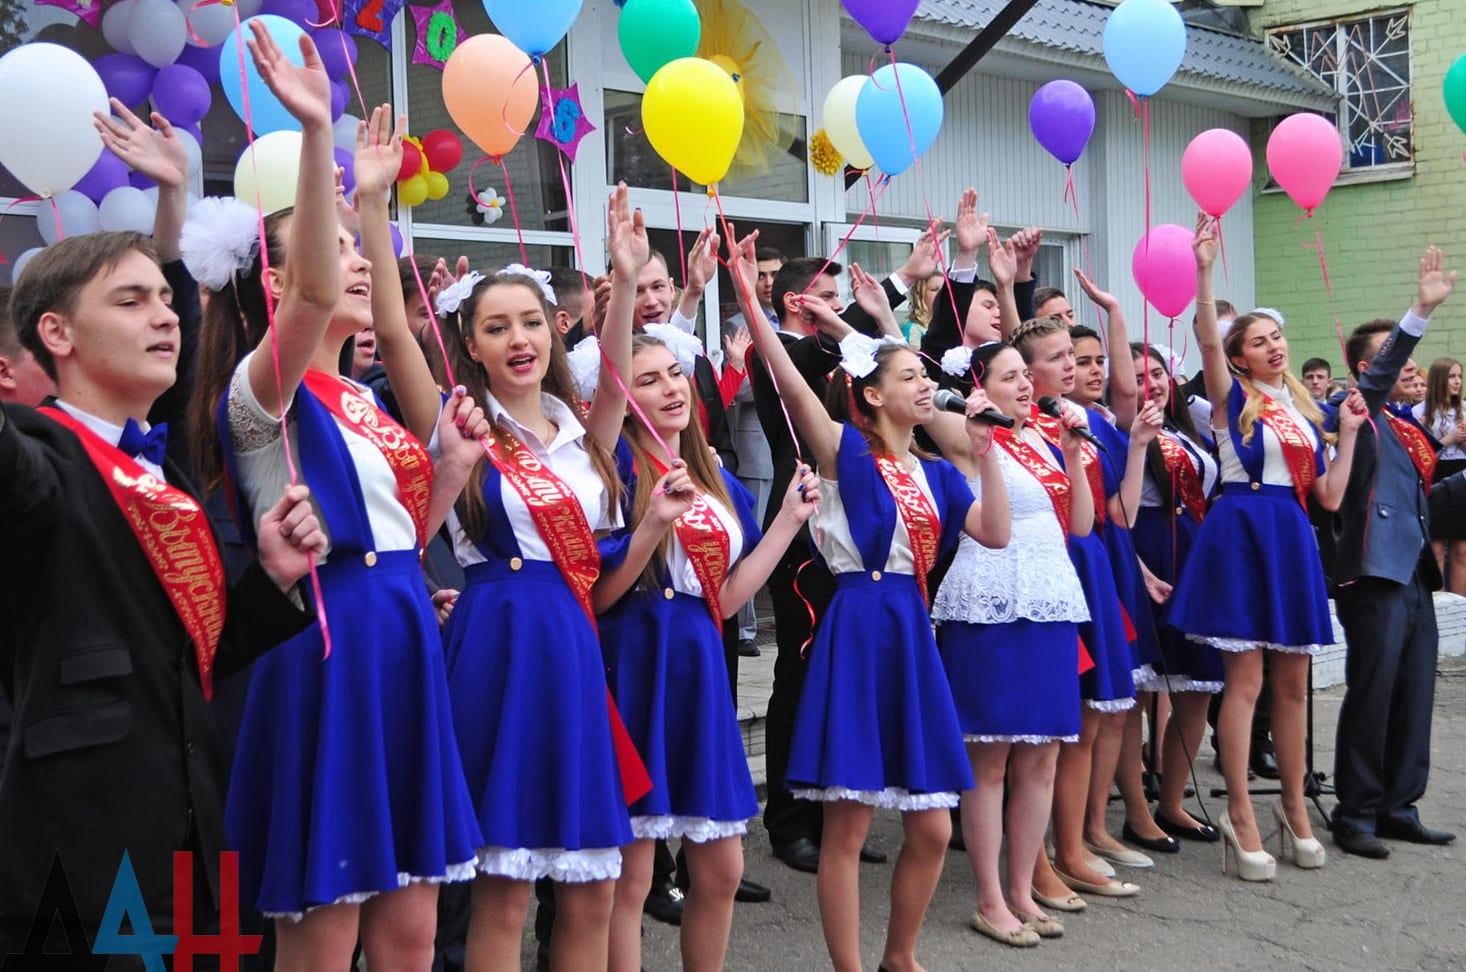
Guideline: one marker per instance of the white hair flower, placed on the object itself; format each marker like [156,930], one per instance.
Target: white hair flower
[541,277]
[585,366]
[858,353]
[683,346]
[451,297]
[219,240]
[957,362]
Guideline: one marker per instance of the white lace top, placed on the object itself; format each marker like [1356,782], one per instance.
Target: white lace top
[1030,579]
[1275,470]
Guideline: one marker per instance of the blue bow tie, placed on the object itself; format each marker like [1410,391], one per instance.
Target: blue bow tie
[151,445]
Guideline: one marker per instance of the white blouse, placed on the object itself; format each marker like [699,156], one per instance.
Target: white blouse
[1440,424]
[1150,496]
[832,532]
[1275,470]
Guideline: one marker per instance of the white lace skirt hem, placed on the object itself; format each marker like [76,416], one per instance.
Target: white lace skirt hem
[891,798]
[1242,644]
[555,863]
[1110,705]
[699,830]
[456,872]
[1148,680]
[1024,740]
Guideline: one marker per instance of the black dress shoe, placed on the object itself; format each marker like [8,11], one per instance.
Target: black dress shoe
[1359,844]
[1413,831]
[800,854]
[1162,845]
[664,903]
[1199,832]
[750,893]
[748,648]
[871,854]
[1264,764]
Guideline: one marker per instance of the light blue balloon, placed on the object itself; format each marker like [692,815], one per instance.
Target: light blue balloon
[881,121]
[535,28]
[1145,41]
[266,114]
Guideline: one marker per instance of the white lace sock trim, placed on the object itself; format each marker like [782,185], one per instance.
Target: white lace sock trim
[891,798]
[699,830]
[555,863]
[1029,740]
[456,872]
[1243,644]
[1110,705]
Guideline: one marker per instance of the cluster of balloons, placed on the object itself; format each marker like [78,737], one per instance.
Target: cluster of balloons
[424,164]
[867,117]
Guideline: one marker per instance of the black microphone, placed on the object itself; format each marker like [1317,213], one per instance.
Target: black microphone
[1050,407]
[949,401]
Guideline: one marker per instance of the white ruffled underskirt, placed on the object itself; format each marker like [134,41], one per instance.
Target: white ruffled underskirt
[555,863]
[699,830]
[1110,705]
[1147,679]
[891,798]
[1016,740]
[456,872]
[1243,644]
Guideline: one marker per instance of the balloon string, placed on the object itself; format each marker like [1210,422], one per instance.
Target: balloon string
[318,596]
[1144,108]
[1328,286]
[1222,249]
[513,211]
[869,211]
[905,113]
[677,210]
[1071,196]
[422,291]
[504,112]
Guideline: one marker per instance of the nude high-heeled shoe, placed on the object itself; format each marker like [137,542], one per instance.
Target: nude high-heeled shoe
[1256,865]
[1308,852]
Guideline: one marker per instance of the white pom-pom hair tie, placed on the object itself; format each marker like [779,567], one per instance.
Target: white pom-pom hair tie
[219,241]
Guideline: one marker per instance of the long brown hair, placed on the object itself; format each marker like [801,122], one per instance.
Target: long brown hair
[457,331]
[1438,397]
[846,402]
[693,449]
[1252,410]
[1178,414]
[236,320]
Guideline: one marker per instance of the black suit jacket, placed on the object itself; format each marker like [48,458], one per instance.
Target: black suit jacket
[113,747]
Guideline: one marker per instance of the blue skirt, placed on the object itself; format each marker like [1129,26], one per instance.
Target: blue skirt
[670,679]
[1130,584]
[1253,577]
[529,706]
[1107,686]
[1013,682]
[1164,541]
[347,779]
[876,721]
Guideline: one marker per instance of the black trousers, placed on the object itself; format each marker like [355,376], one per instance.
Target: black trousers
[1382,755]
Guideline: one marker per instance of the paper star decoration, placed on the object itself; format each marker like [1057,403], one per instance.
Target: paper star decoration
[438,34]
[372,18]
[562,119]
[88,10]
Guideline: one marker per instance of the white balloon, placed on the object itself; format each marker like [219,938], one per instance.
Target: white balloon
[77,214]
[194,150]
[127,208]
[343,133]
[47,96]
[152,193]
[115,23]
[212,23]
[270,167]
[157,30]
[21,261]
[839,117]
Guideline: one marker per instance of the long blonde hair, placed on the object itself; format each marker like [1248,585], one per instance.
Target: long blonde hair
[1256,398]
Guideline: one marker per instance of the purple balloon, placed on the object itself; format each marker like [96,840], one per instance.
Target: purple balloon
[107,174]
[1061,116]
[398,246]
[337,49]
[347,163]
[181,94]
[884,20]
[300,12]
[204,60]
[339,97]
[127,78]
[139,181]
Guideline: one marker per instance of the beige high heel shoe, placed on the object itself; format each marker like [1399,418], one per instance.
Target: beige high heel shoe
[1256,865]
[1308,852]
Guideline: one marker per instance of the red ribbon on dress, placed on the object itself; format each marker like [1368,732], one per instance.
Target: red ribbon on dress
[1184,478]
[923,526]
[1298,447]
[1053,479]
[706,542]
[1052,429]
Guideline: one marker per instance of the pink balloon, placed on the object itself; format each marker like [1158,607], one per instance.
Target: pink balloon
[1305,155]
[1217,169]
[1165,269]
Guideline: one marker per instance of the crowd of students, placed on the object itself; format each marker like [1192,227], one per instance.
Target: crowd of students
[971,592]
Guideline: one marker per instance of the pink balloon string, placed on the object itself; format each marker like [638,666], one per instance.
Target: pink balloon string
[845,240]
[1328,286]
[677,211]
[318,596]
[508,192]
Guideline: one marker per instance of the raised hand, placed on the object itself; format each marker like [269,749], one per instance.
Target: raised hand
[1147,423]
[802,498]
[1025,245]
[971,229]
[822,316]
[870,295]
[702,261]
[923,260]
[673,496]
[1072,417]
[1002,259]
[735,347]
[979,433]
[461,427]
[1205,242]
[1105,300]
[1353,411]
[743,262]
[305,91]
[626,239]
[290,535]
[1435,284]
[157,152]
[378,154]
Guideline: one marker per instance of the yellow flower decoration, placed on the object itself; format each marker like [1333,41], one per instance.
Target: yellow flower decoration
[736,40]
[823,155]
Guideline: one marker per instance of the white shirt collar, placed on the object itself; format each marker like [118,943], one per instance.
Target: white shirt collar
[564,417]
[109,433]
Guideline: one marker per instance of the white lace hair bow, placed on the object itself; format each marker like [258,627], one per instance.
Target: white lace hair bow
[684,347]
[858,353]
[451,297]
[957,362]
[585,366]
[219,240]
[1275,314]
[1174,362]
[541,277]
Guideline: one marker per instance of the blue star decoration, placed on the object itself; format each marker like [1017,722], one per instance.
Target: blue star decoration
[562,119]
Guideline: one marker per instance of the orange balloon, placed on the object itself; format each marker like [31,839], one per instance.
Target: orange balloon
[491,92]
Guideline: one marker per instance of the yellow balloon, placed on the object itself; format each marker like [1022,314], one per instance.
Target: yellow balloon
[437,184]
[412,192]
[840,121]
[271,168]
[693,115]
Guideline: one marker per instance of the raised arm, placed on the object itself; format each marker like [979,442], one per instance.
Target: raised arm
[801,499]
[1143,430]
[311,277]
[627,243]
[958,439]
[158,153]
[1003,261]
[674,495]
[1214,370]
[1435,285]
[871,297]
[820,432]
[378,157]
[1124,385]
[702,264]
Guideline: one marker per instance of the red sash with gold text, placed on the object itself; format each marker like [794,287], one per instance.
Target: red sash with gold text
[1185,481]
[706,542]
[923,526]
[173,531]
[1054,480]
[411,465]
[1053,430]
[1298,447]
[1417,445]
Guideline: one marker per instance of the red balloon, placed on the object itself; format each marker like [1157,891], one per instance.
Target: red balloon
[411,162]
[443,149]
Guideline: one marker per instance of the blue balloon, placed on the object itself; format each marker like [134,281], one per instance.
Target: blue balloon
[881,121]
[534,28]
[266,114]
[1145,41]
